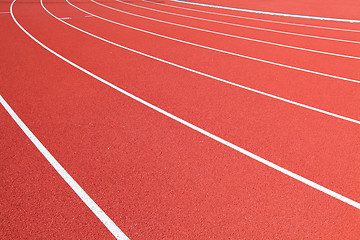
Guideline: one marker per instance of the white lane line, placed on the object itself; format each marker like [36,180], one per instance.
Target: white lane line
[210,48]
[247,26]
[272,13]
[65,175]
[226,34]
[198,129]
[109,224]
[4,12]
[255,19]
[66,18]
[210,76]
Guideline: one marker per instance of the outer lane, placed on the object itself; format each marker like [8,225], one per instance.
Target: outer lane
[259,18]
[272,17]
[334,9]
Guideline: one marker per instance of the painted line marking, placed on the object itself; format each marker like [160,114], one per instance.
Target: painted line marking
[210,48]
[110,225]
[65,175]
[247,26]
[272,13]
[4,12]
[208,75]
[255,19]
[66,18]
[217,33]
[192,126]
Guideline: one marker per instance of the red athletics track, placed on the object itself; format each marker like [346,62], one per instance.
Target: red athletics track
[256,17]
[271,76]
[250,22]
[347,9]
[156,178]
[212,39]
[250,30]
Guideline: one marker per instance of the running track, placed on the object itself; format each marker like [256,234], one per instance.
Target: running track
[176,121]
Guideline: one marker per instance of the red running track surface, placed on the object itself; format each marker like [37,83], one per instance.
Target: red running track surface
[347,9]
[154,177]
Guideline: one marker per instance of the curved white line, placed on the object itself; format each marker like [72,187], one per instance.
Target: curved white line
[197,129]
[100,214]
[209,48]
[210,76]
[256,19]
[246,26]
[272,13]
[228,35]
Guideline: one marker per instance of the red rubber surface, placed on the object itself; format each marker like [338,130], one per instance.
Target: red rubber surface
[214,15]
[155,178]
[347,9]
[277,18]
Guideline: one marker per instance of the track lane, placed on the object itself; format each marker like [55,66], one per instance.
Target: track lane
[335,9]
[261,26]
[296,40]
[245,46]
[303,89]
[195,197]
[36,202]
[226,34]
[252,19]
[220,128]
[4,8]
[271,17]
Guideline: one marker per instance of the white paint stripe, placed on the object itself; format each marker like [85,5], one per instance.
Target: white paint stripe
[4,12]
[110,225]
[210,48]
[255,19]
[220,33]
[66,18]
[65,175]
[272,13]
[198,129]
[250,27]
[210,76]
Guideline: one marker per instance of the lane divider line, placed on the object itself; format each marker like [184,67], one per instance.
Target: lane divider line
[211,48]
[250,27]
[255,19]
[100,214]
[196,128]
[208,75]
[65,175]
[66,18]
[271,13]
[222,34]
